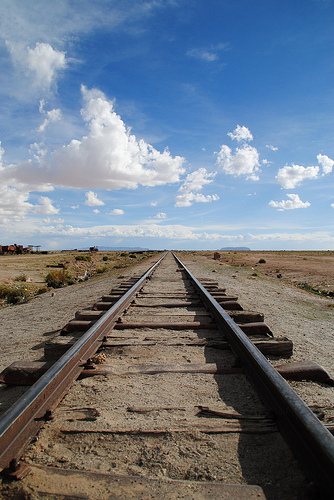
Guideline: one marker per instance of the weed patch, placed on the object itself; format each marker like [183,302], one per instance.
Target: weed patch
[57,279]
[87,258]
[309,288]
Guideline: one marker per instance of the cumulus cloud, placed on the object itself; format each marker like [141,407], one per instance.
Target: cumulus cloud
[195,181]
[51,116]
[153,230]
[186,200]
[38,150]
[45,63]
[116,211]
[14,204]
[273,148]
[290,177]
[245,161]
[293,202]
[45,207]
[161,215]
[241,134]
[92,199]
[332,205]
[326,163]
[108,157]
[96,211]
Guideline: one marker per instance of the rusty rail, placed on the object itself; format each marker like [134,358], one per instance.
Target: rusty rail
[308,438]
[21,422]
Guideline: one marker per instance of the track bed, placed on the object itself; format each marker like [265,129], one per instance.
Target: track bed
[168,412]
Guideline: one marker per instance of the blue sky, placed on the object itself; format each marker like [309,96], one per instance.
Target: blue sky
[182,124]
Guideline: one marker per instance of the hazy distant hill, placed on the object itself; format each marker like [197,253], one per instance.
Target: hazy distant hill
[236,249]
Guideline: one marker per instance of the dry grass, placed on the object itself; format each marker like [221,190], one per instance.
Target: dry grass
[33,269]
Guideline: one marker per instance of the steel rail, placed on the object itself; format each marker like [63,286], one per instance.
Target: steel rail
[308,438]
[23,420]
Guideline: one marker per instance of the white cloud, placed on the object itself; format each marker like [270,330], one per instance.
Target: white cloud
[241,134]
[173,232]
[45,207]
[56,22]
[161,215]
[108,157]
[154,204]
[38,150]
[320,237]
[96,211]
[273,148]
[75,207]
[291,204]
[203,54]
[92,199]
[245,161]
[116,211]
[326,163]
[45,63]
[51,116]
[332,205]
[290,177]
[1,154]
[187,199]
[195,181]
[14,204]
[208,54]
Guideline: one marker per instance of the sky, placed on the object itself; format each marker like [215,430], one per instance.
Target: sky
[167,124]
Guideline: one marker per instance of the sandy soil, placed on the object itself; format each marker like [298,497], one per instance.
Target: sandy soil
[313,268]
[304,317]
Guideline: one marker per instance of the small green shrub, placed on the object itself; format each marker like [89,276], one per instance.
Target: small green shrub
[21,277]
[87,258]
[4,291]
[132,256]
[17,295]
[42,289]
[57,279]
[262,261]
[101,269]
[105,258]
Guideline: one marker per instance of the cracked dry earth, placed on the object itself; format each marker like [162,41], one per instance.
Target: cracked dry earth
[152,426]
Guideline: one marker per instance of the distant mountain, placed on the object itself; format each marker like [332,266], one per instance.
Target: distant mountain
[236,249]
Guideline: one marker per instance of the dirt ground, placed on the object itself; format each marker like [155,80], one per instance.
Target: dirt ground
[34,267]
[304,317]
[315,269]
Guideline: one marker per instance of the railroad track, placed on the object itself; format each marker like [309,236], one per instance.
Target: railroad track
[156,392]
